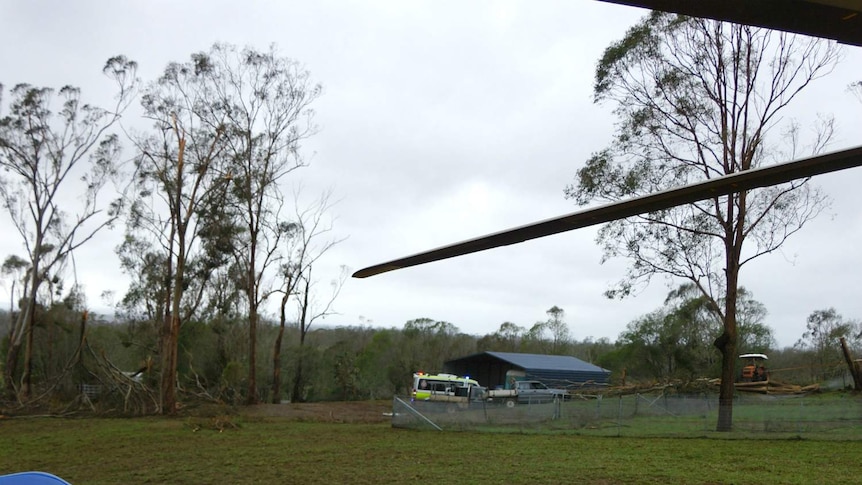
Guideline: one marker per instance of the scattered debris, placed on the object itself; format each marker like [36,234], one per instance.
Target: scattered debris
[775,387]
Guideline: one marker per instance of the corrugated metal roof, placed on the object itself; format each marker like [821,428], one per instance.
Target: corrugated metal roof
[540,362]
[491,369]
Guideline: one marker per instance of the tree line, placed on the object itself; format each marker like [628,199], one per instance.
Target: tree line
[210,230]
[359,362]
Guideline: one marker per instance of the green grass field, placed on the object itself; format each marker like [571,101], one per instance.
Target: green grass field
[276,450]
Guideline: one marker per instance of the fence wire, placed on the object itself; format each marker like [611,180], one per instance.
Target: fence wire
[828,416]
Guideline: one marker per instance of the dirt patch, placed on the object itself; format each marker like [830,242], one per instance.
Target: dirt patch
[335,412]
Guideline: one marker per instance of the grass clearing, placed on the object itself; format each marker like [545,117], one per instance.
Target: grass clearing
[276,450]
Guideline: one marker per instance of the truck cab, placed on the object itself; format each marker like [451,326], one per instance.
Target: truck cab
[527,392]
[535,391]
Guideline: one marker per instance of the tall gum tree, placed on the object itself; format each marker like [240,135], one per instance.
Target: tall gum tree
[179,216]
[696,99]
[238,116]
[56,165]
[263,101]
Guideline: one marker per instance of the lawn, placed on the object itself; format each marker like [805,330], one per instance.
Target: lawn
[280,450]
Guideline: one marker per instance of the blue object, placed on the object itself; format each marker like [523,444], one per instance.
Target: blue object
[32,478]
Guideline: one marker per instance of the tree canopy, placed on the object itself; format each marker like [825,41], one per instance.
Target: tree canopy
[697,99]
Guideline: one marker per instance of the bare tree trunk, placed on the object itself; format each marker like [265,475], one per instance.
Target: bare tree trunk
[85,315]
[166,394]
[172,336]
[252,397]
[276,354]
[80,372]
[854,371]
[252,285]
[9,370]
[12,351]
[303,330]
[29,320]
[169,365]
[296,395]
[171,329]
[727,346]
[15,339]
[26,388]
[726,343]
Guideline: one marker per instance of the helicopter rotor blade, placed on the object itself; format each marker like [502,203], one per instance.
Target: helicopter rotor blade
[737,182]
[840,20]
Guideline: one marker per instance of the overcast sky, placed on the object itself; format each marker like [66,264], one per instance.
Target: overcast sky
[442,121]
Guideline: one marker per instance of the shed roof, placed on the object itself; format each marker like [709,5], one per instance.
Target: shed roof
[547,362]
[491,369]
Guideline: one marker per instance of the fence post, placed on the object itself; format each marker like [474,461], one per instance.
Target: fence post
[416,413]
[620,417]
[801,413]
[708,410]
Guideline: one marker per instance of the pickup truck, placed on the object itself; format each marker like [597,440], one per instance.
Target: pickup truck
[526,392]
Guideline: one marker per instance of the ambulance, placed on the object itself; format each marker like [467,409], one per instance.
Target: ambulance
[445,387]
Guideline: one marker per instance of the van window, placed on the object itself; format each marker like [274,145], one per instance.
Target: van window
[437,386]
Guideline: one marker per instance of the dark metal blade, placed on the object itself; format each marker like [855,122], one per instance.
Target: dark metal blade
[737,182]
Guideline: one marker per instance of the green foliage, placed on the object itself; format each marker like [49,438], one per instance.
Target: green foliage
[382,365]
[508,338]
[428,344]
[232,381]
[676,341]
[640,41]
[823,333]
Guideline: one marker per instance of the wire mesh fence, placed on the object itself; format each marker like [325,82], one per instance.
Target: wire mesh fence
[834,416]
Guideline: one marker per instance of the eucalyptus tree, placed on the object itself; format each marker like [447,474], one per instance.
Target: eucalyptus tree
[262,102]
[535,340]
[179,219]
[824,330]
[674,341]
[224,313]
[558,328]
[507,338]
[648,347]
[698,99]
[385,364]
[56,166]
[549,336]
[427,344]
[755,335]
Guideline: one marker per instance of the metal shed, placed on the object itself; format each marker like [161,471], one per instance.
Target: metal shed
[563,371]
